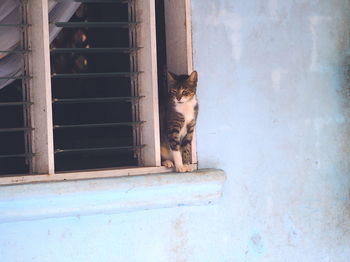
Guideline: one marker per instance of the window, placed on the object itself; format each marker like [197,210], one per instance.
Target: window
[94,81]
[72,124]
[15,125]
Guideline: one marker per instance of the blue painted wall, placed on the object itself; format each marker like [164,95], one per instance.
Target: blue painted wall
[274,114]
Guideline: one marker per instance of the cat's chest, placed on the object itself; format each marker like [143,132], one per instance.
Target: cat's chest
[188,111]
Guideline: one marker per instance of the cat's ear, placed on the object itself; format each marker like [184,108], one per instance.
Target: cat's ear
[171,77]
[193,77]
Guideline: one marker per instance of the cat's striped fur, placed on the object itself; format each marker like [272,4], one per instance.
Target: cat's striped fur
[179,121]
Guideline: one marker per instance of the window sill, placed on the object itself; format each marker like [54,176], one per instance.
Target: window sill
[109,195]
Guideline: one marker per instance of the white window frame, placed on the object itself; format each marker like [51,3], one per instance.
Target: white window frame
[179,56]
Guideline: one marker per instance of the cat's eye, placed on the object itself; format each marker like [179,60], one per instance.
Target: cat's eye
[185,93]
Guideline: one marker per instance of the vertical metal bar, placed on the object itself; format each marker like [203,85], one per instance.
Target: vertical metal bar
[134,83]
[130,18]
[25,84]
[21,39]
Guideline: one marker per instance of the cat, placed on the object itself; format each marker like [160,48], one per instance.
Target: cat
[178,121]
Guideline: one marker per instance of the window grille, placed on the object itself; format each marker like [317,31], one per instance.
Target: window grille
[95,88]
[16,154]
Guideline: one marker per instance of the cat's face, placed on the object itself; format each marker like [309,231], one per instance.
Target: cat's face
[182,88]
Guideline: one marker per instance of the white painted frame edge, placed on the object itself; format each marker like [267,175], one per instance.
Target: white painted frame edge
[148,82]
[40,85]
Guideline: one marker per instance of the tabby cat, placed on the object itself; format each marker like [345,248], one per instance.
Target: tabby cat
[179,121]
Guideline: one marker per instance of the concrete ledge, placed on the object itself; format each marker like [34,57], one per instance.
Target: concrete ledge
[109,195]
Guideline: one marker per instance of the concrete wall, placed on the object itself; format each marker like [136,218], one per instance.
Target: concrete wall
[274,115]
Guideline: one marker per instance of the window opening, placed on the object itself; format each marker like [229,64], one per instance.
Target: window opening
[95,88]
[161,53]
[16,156]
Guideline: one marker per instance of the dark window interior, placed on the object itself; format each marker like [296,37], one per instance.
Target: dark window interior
[91,133]
[161,52]
[89,130]
[15,152]
[12,145]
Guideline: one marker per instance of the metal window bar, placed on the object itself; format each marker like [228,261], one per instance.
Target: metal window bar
[134,82]
[17,129]
[93,75]
[27,155]
[95,100]
[17,25]
[23,77]
[133,75]
[128,148]
[95,50]
[98,125]
[26,87]
[16,103]
[94,24]
[14,51]
[26,103]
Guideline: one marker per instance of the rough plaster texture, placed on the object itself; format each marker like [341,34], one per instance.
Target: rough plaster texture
[274,115]
[274,108]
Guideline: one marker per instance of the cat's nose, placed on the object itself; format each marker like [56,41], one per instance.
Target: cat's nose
[178,98]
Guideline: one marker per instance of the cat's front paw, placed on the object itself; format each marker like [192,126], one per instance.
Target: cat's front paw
[184,168]
[168,163]
[189,168]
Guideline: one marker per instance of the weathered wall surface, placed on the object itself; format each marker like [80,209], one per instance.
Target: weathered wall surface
[274,114]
